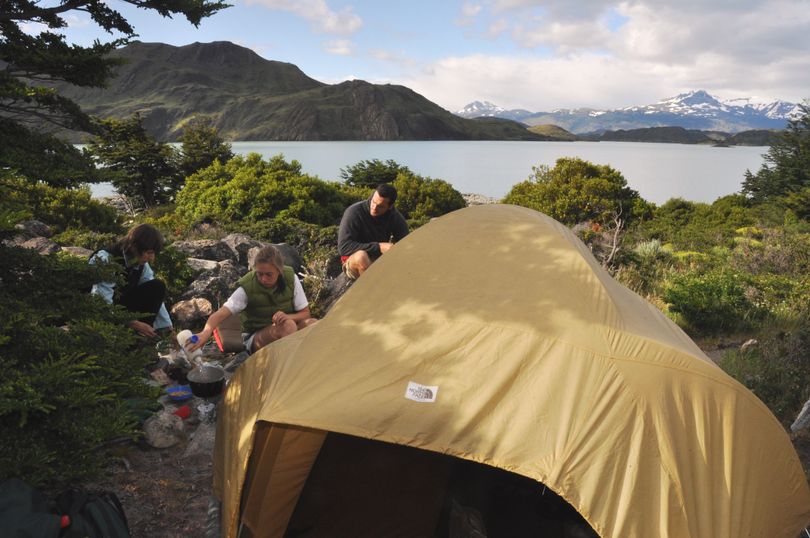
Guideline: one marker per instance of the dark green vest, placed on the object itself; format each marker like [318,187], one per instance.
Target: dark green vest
[264,302]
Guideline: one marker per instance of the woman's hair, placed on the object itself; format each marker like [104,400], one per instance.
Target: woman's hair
[271,255]
[141,238]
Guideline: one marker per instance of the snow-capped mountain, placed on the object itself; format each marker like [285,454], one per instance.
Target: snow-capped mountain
[691,110]
[478,109]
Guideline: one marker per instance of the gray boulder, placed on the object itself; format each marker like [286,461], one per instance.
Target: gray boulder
[164,430]
[200,265]
[215,285]
[241,244]
[206,249]
[43,245]
[28,229]
[78,251]
[192,312]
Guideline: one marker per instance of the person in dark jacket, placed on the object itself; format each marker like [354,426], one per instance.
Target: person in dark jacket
[141,292]
[369,229]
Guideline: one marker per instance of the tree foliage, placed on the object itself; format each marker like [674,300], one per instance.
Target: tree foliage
[785,175]
[201,145]
[575,190]
[71,376]
[693,225]
[419,199]
[370,173]
[137,165]
[251,189]
[32,62]
[57,207]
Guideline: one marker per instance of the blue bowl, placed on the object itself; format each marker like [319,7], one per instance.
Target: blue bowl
[179,393]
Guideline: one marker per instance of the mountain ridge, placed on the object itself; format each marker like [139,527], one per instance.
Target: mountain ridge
[691,110]
[249,98]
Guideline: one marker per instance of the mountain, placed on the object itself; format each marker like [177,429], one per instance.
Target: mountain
[250,98]
[478,109]
[696,110]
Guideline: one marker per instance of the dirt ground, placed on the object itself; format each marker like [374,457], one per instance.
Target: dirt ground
[163,493]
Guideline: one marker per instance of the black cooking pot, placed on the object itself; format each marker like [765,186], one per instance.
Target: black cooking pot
[206,381]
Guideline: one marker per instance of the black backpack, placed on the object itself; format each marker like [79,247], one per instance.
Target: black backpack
[92,515]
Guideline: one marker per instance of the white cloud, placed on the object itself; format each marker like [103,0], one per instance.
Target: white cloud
[340,47]
[594,80]
[470,10]
[609,54]
[468,14]
[497,28]
[391,57]
[319,14]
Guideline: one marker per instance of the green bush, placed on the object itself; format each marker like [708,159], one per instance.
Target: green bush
[713,302]
[777,369]
[60,208]
[70,371]
[645,268]
[171,266]
[250,189]
[419,199]
[697,226]
[371,173]
[575,191]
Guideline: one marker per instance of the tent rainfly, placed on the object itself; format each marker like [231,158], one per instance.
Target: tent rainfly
[492,337]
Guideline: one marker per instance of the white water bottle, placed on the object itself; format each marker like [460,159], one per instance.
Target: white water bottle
[186,337]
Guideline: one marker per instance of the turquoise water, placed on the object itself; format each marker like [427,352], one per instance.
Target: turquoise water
[657,171]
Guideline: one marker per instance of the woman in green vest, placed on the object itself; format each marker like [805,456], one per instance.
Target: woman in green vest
[270,301]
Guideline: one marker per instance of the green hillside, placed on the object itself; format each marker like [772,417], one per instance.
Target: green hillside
[250,98]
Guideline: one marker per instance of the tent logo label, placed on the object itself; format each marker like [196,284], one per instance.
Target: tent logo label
[421,393]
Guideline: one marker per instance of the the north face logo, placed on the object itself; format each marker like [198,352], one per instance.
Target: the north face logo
[421,393]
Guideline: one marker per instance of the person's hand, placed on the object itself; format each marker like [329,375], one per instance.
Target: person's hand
[202,338]
[280,317]
[385,247]
[143,329]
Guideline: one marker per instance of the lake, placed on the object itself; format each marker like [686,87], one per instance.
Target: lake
[657,171]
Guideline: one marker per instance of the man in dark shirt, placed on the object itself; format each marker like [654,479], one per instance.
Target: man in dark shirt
[369,229]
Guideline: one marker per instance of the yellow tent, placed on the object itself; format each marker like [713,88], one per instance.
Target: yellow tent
[492,335]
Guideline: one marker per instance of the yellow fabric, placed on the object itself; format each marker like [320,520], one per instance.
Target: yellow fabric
[546,367]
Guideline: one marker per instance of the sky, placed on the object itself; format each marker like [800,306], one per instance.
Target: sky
[530,54]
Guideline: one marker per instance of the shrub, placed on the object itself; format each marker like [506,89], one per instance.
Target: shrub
[371,173]
[698,226]
[419,199]
[71,376]
[779,381]
[250,189]
[576,191]
[58,207]
[171,266]
[712,302]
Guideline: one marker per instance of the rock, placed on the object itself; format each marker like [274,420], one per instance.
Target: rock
[202,443]
[200,265]
[333,266]
[164,430]
[478,199]
[803,420]
[207,249]
[241,244]
[192,312]
[42,245]
[230,272]
[748,344]
[78,251]
[288,254]
[33,228]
